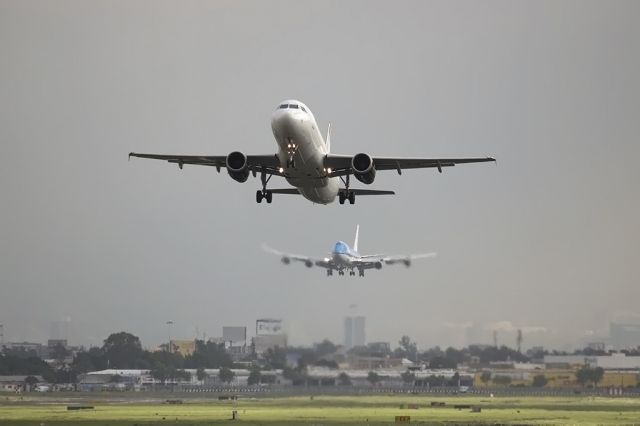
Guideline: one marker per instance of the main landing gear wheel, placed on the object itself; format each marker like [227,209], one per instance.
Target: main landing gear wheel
[329,272]
[352,273]
[347,195]
[340,272]
[266,194]
[362,272]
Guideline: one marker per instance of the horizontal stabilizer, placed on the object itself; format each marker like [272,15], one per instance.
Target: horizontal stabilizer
[369,192]
[291,191]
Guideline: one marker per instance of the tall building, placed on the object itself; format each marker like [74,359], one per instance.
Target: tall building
[269,335]
[354,334]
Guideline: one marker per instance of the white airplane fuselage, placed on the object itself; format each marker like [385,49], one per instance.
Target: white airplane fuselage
[302,149]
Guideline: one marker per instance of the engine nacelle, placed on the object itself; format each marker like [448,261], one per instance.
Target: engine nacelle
[363,168]
[286,260]
[308,263]
[378,265]
[407,262]
[237,166]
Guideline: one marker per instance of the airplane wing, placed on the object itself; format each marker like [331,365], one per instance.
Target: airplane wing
[308,261]
[341,164]
[391,260]
[257,163]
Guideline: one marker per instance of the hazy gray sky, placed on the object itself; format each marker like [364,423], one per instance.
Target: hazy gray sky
[546,240]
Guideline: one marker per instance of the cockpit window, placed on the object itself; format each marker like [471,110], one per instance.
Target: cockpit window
[283,106]
[302,108]
[294,106]
[341,248]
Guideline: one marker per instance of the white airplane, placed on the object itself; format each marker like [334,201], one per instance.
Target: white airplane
[305,161]
[342,258]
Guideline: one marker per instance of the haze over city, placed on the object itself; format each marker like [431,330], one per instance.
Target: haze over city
[544,241]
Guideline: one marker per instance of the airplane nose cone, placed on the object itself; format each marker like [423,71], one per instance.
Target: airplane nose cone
[283,119]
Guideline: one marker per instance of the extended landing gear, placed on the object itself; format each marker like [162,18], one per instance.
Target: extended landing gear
[352,273]
[341,272]
[361,272]
[329,272]
[346,194]
[265,193]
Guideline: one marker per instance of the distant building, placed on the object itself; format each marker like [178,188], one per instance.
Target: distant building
[52,343]
[37,348]
[381,348]
[615,361]
[269,335]
[263,343]
[624,336]
[354,331]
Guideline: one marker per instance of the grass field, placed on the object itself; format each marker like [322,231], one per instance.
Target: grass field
[324,410]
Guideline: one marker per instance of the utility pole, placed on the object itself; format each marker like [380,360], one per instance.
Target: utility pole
[519,340]
[495,338]
[169,324]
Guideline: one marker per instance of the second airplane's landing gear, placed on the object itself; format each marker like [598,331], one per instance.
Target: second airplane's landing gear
[352,273]
[329,272]
[346,194]
[361,272]
[340,272]
[264,193]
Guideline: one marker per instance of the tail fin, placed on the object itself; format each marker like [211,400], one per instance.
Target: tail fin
[329,138]
[355,243]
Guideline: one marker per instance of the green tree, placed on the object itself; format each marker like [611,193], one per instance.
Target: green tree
[275,358]
[539,381]
[201,374]
[254,376]
[344,379]
[30,380]
[326,347]
[485,377]
[408,377]
[226,375]
[407,349]
[122,350]
[596,375]
[373,378]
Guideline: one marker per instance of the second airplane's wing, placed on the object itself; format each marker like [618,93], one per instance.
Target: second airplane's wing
[406,260]
[342,164]
[287,258]
[257,163]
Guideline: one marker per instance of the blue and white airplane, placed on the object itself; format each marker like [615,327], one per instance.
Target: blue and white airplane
[305,160]
[344,258]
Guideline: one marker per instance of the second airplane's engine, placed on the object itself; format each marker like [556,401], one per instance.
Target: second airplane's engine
[286,260]
[363,168]
[308,263]
[237,166]
[378,265]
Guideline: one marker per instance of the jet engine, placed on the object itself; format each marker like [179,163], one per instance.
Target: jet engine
[237,166]
[286,260]
[378,265]
[308,263]
[407,262]
[363,168]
